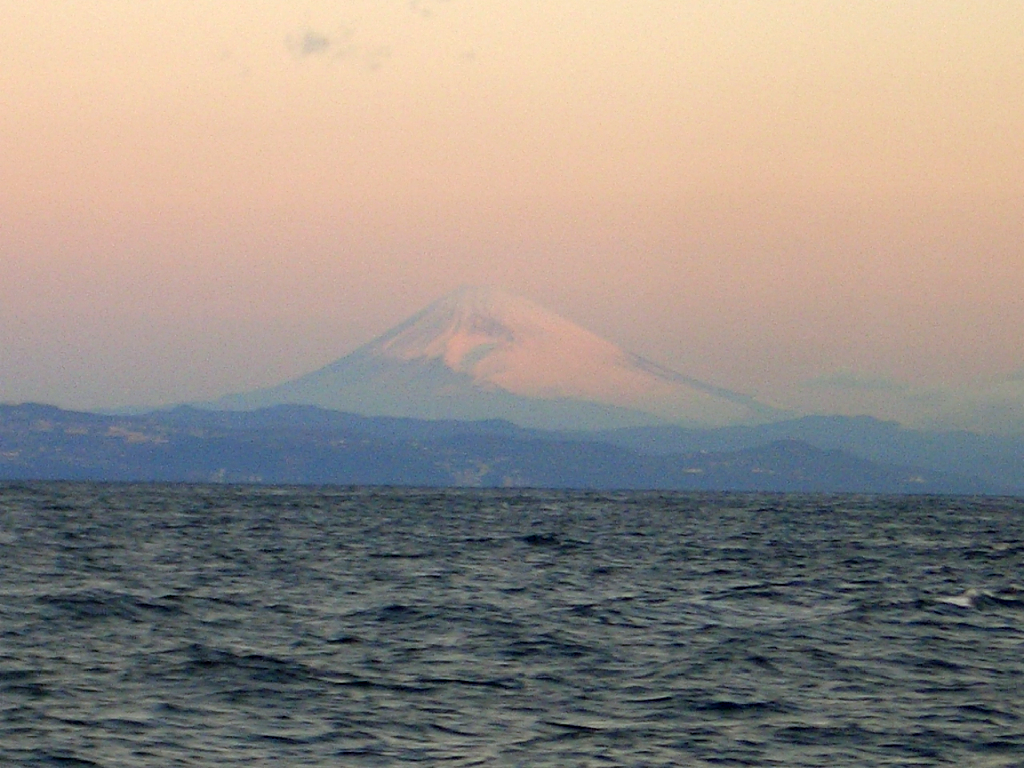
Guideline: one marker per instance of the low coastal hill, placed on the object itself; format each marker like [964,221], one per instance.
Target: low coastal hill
[310,445]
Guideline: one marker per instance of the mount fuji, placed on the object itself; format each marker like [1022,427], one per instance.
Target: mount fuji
[483,353]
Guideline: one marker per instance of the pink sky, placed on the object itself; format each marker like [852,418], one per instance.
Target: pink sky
[821,204]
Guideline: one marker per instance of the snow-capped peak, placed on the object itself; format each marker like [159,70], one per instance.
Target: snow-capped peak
[506,342]
[487,332]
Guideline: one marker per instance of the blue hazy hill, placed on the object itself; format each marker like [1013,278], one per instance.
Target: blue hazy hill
[306,444]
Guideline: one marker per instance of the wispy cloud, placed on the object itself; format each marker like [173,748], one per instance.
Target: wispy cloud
[347,44]
[313,44]
[424,8]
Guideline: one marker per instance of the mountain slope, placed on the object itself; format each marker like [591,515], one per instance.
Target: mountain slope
[482,353]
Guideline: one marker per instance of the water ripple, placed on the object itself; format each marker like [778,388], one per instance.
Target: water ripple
[219,626]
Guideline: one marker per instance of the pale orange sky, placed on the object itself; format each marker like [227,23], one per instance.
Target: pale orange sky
[818,203]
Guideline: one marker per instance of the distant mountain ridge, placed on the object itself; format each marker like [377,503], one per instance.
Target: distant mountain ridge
[482,353]
[996,460]
[305,444]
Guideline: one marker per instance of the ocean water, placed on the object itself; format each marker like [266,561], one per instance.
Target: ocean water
[148,625]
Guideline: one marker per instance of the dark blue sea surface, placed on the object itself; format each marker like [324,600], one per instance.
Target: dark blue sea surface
[148,625]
